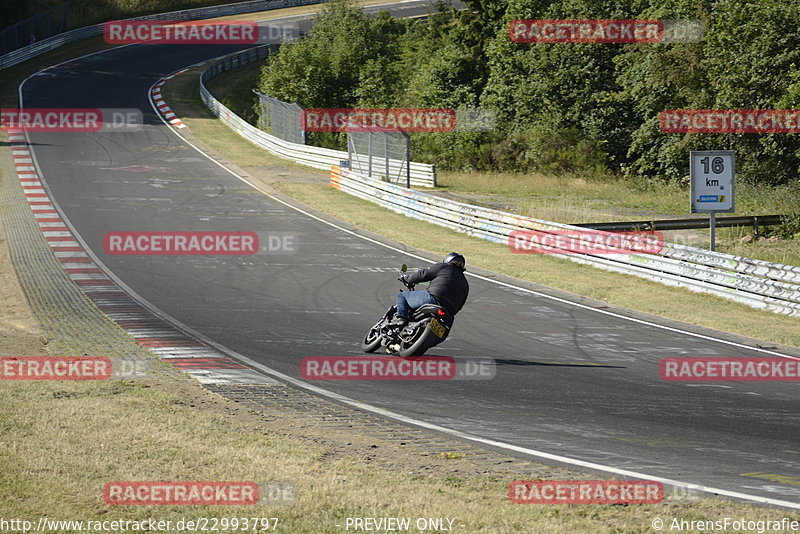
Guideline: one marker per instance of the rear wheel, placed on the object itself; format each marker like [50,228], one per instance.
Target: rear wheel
[420,343]
[371,341]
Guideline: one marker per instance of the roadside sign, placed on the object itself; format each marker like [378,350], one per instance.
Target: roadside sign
[713,174]
[713,177]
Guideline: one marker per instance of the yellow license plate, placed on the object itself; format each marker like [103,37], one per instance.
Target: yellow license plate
[437,328]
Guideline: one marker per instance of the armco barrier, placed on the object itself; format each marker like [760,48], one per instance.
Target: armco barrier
[422,174]
[45,45]
[757,283]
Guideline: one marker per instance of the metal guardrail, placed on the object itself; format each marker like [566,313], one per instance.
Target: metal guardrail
[45,45]
[422,174]
[687,224]
[757,283]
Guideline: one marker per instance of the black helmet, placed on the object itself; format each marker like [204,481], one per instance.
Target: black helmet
[456,259]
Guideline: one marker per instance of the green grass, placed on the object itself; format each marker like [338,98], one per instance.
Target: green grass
[87,12]
[63,441]
[573,199]
[234,89]
[584,200]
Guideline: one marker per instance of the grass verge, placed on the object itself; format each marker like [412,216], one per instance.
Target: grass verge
[234,89]
[573,199]
[63,441]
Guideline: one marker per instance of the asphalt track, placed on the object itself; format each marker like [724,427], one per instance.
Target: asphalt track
[571,380]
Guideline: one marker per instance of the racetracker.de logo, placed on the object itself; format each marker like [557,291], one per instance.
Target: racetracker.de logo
[377,368]
[71,120]
[585,492]
[584,242]
[176,32]
[51,120]
[55,368]
[729,121]
[586,31]
[181,493]
[379,120]
[181,243]
[714,369]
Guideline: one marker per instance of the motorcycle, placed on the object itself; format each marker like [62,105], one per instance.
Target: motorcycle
[428,326]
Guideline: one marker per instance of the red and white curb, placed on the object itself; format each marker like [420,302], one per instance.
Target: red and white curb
[205,363]
[161,105]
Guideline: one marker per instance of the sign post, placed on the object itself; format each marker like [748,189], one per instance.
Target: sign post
[713,177]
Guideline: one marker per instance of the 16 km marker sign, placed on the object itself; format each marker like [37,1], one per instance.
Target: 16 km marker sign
[713,176]
[712,173]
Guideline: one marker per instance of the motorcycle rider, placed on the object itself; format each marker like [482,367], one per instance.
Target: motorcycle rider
[448,288]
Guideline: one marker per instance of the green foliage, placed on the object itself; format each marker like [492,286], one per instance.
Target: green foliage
[86,12]
[13,12]
[747,60]
[347,59]
[790,226]
[590,108]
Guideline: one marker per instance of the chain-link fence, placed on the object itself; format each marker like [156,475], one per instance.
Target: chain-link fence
[421,174]
[40,26]
[281,119]
[383,155]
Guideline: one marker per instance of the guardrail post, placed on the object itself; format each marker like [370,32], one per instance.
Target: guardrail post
[755,228]
[408,160]
[369,154]
[713,224]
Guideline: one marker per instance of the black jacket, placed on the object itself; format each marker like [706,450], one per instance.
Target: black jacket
[447,283]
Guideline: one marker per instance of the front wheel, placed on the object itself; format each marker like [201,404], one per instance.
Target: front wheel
[372,340]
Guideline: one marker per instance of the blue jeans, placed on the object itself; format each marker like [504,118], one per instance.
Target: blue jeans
[411,300]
